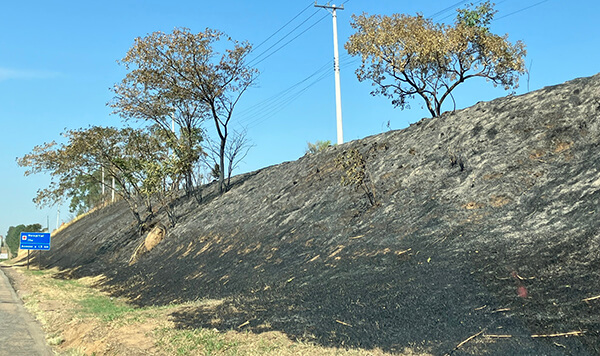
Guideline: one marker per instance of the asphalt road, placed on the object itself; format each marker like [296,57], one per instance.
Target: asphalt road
[20,334]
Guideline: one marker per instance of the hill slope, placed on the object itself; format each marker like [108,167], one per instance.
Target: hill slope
[487,221]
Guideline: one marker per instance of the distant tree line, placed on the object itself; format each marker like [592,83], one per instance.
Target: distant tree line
[13,236]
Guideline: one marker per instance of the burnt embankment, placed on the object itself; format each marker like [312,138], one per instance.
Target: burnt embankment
[487,221]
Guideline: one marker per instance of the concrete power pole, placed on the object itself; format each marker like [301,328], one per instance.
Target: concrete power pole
[336,68]
[102,185]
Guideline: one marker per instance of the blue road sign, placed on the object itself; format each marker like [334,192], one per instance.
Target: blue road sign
[35,241]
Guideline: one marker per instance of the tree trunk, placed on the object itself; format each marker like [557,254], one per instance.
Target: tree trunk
[222,164]
[189,183]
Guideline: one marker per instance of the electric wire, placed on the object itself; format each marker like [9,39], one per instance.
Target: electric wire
[255,60]
[281,100]
[265,103]
[260,105]
[498,3]
[251,62]
[523,9]
[267,108]
[448,8]
[282,27]
[454,6]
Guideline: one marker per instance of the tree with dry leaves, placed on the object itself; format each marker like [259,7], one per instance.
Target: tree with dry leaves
[186,77]
[411,56]
[137,160]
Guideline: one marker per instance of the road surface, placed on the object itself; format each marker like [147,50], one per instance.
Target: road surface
[20,334]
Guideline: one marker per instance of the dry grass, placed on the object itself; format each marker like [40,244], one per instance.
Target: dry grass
[80,320]
[92,210]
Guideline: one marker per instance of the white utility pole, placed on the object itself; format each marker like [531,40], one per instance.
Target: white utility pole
[113,190]
[336,68]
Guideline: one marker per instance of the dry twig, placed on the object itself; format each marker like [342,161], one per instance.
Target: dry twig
[341,322]
[570,333]
[591,298]
[497,336]
[466,340]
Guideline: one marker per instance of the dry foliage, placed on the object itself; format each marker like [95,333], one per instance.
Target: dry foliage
[186,77]
[407,56]
[354,168]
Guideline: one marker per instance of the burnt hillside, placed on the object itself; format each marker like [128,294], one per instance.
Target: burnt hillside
[487,221]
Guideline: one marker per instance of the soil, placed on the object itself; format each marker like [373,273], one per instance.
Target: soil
[484,239]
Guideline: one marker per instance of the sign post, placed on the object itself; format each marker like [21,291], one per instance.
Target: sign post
[34,241]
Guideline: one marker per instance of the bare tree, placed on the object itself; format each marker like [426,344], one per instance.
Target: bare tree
[236,150]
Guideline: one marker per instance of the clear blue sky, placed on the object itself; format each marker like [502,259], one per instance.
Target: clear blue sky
[58,60]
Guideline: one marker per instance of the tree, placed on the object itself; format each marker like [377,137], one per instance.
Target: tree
[407,56]
[183,76]
[86,193]
[137,159]
[13,236]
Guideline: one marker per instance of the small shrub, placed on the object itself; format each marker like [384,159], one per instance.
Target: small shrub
[354,168]
[318,146]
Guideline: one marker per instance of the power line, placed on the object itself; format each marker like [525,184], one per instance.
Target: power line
[259,113]
[475,3]
[323,71]
[282,27]
[266,102]
[448,8]
[523,9]
[288,42]
[281,39]
[267,114]
[454,6]
[258,110]
[254,61]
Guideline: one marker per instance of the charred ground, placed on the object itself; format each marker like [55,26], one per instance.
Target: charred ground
[473,207]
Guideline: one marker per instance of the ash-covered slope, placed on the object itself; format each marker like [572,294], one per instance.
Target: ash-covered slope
[487,220]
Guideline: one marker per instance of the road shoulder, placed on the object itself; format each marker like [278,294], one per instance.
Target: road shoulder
[20,333]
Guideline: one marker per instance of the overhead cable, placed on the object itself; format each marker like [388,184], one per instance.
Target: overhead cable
[282,27]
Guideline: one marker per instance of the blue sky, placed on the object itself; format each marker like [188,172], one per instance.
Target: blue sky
[58,61]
